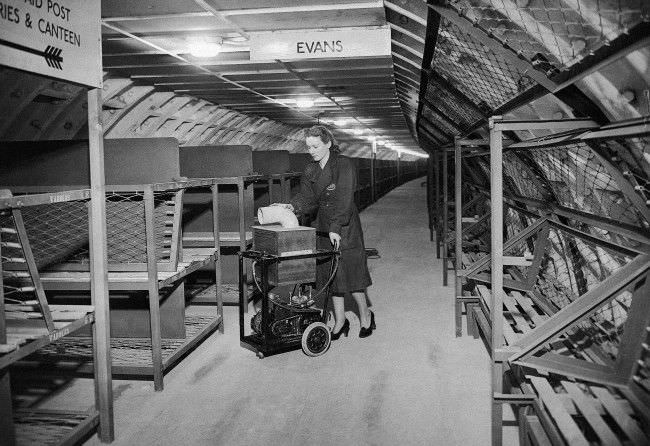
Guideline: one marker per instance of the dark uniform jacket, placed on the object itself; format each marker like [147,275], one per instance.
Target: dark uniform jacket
[330,193]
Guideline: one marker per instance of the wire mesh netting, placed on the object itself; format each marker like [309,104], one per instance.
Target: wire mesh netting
[440,121]
[523,178]
[17,283]
[555,32]
[58,232]
[125,220]
[581,182]
[431,132]
[484,76]
[463,116]
[632,155]
[571,266]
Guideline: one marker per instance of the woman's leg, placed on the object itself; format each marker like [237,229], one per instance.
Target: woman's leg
[364,313]
[339,312]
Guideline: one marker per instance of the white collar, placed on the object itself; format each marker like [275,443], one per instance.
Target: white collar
[323,162]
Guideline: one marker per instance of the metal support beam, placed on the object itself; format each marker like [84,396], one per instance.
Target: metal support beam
[496,257]
[99,270]
[445,218]
[582,306]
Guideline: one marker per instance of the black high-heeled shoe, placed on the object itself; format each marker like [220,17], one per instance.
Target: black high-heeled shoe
[345,329]
[367,331]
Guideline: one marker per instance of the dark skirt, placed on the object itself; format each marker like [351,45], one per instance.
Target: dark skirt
[352,273]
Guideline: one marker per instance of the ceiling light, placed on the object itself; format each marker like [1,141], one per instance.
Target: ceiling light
[340,122]
[203,48]
[304,103]
[358,132]
[414,153]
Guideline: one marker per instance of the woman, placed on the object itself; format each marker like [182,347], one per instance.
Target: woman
[327,186]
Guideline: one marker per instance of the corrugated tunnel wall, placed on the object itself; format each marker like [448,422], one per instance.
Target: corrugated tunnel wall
[535,116]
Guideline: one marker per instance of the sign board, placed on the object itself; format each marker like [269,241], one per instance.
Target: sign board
[320,44]
[56,38]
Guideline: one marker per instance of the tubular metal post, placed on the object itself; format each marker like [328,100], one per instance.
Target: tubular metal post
[399,172]
[217,248]
[496,198]
[373,161]
[459,234]
[269,185]
[242,295]
[437,202]
[242,228]
[99,270]
[6,411]
[445,218]
[430,194]
[154,297]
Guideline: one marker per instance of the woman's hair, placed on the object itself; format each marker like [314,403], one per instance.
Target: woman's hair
[323,133]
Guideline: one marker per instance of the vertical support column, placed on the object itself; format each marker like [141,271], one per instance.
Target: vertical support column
[6,412]
[430,194]
[217,249]
[458,265]
[154,296]
[496,257]
[445,217]
[241,185]
[399,167]
[99,270]
[269,185]
[372,171]
[436,219]
[285,189]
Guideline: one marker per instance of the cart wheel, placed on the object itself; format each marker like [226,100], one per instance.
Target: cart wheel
[260,355]
[256,322]
[316,339]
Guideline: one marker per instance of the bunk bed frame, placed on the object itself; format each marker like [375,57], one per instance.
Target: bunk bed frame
[28,323]
[145,254]
[558,354]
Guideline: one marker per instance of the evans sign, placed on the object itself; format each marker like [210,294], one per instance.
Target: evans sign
[315,44]
[56,38]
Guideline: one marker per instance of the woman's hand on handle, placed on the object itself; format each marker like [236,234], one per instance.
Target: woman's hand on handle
[336,240]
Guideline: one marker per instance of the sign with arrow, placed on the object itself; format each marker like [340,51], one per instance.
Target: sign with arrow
[55,38]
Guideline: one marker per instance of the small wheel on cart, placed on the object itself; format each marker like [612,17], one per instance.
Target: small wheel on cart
[260,355]
[316,339]
[256,323]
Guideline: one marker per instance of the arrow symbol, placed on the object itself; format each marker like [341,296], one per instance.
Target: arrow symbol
[52,55]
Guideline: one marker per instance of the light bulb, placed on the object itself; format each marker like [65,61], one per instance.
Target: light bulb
[304,103]
[358,132]
[204,49]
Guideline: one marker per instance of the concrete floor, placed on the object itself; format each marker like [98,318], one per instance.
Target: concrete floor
[411,383]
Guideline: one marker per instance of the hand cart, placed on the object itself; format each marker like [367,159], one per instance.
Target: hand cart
[284,324]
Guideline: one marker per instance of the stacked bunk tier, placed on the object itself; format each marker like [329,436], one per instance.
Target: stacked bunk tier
[28,323]
[568,329]
[276,166]
[231,168]
[147,262]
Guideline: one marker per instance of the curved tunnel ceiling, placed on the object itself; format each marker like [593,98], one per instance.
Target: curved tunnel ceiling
[533,59]
[452,65]
[148,42]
